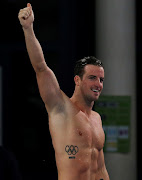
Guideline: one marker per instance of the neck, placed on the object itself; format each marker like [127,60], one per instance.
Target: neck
[82,104]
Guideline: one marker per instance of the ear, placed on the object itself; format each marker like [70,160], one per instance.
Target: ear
[77,80]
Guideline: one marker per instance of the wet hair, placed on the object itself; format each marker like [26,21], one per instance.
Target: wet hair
[80,64]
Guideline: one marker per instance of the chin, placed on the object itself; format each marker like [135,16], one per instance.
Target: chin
[96,98]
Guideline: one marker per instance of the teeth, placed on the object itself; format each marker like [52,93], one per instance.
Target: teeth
[95,90]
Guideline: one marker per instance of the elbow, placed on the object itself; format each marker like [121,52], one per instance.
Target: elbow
[40,67]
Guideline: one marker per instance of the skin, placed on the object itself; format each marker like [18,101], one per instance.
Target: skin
[71,120]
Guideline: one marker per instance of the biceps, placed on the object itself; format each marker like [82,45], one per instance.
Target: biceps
[49,89]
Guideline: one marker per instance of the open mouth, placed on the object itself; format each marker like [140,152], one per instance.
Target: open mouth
[95,90]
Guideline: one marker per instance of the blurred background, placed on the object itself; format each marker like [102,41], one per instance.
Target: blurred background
[68,30]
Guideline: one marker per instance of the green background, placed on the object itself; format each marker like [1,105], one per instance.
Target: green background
[115,113]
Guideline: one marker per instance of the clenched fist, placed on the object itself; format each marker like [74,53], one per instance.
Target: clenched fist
[26,16]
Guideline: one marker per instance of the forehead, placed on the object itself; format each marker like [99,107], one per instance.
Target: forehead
[93,70]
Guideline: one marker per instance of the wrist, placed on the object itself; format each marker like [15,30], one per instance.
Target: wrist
[28,28]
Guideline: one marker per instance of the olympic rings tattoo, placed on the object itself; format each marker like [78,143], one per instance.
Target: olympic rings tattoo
[71,150]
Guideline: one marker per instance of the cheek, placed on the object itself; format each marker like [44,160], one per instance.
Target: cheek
[85,86]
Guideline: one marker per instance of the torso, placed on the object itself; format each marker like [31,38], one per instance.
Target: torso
[78,142]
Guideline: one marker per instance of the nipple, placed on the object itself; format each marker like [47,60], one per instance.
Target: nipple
[80,133]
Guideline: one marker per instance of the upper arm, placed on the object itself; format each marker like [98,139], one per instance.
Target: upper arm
[49,89]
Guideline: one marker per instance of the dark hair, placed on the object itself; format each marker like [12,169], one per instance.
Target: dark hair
[80,64]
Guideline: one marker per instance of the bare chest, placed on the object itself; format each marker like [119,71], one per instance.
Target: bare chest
[85,132]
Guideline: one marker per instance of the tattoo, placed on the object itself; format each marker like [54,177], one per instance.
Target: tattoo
[71,150]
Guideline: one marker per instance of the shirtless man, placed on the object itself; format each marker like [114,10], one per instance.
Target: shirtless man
[76,130]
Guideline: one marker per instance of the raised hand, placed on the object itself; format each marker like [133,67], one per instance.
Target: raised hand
[26,16]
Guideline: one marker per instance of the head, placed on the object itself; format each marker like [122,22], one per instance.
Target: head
[89,76]
[80,65]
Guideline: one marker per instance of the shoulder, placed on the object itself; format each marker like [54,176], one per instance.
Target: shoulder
[94,113]
[97,116]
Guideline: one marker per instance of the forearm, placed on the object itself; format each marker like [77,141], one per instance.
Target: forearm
[34,50]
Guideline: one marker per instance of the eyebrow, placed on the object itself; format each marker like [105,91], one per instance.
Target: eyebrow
[96,76]
[92,76]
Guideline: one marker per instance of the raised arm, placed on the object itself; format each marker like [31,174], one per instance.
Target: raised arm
[47,82]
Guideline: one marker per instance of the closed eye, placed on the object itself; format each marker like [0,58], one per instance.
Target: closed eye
[92,77]
[101,80]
